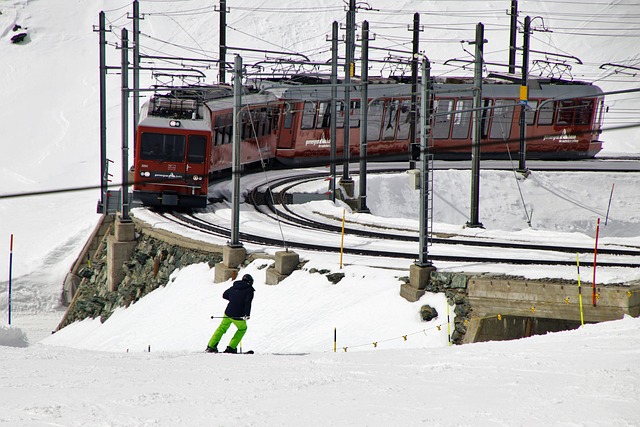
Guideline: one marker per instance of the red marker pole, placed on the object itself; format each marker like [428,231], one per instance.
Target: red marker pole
[595,254]
[10,273]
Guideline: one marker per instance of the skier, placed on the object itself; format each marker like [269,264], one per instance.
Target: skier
[239,295]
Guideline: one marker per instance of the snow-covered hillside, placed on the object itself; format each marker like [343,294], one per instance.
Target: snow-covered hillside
[49,141]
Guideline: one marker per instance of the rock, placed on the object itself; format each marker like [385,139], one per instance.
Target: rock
[428,313]
[19,38]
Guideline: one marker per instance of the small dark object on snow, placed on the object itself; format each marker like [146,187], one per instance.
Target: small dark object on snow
[16,27]
[428,313]
[335,277]
[18,38]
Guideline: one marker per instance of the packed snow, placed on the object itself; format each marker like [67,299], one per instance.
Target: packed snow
[145,365]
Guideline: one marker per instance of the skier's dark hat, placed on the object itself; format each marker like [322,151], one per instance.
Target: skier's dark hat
[247,278]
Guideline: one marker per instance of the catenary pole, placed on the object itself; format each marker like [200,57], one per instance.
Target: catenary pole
[223,41]
[425,109]
[125,125]
[477,128]
[522,157]
[103,114]
[334,109]
[414,87]
[136,67]
[513,30]
[348,73]
[364,116]
[235,171]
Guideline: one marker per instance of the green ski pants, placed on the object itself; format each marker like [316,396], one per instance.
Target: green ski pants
[224,325]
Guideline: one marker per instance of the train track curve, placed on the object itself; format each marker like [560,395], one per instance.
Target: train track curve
[269,206]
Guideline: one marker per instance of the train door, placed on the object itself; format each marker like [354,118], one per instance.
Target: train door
[287,127]
[196,165]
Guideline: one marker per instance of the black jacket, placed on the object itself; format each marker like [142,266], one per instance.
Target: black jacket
[239,296]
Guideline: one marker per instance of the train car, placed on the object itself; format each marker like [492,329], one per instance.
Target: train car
[172,152]
[258,130]
[563,121]
[183,137]
[186,136]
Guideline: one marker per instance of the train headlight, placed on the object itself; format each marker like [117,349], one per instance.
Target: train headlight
[197,178]
[145,174]
[174,123]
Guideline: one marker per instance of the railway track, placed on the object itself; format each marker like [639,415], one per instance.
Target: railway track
[365,240]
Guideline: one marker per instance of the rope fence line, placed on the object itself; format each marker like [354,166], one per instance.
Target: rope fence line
[402,337]
[499,317]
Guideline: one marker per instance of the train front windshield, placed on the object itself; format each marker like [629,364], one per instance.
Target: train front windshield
[162,147]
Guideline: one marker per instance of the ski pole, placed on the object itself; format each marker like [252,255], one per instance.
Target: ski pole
[234,318]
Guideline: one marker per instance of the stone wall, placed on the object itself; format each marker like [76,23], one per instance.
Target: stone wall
[149,267]
[454,286]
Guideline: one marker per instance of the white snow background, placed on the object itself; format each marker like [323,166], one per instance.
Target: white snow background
[103,374]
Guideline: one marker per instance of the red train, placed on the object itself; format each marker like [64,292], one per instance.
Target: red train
[185,136]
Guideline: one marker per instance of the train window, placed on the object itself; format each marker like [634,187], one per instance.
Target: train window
[442,118]
[308,115]
[462,120]
[288,117]
[222,129]
[354,121]
[486,116]
[374,120]
[601,111]
[390,120]
[404,119]
[272,119]
[248,125]
[530,112]
[218,130]
[584,110]
[566,110]
[340,114]
[197,149]
[545,113]
[502,119]
[324,115]
[162,147]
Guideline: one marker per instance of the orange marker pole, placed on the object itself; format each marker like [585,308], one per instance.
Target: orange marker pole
[10,274]
[579,291]
[595,254]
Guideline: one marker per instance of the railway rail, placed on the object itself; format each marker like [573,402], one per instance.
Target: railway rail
[270,205]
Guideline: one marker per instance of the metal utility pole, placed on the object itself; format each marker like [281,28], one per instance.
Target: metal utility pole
[235,170]
[425,108]
[513,29]
[524,96]
[125,125]
[334,109]
[348,73]
[414,87]
[477,128]
[103,114]
[136,67]
[223,41]
[364,116]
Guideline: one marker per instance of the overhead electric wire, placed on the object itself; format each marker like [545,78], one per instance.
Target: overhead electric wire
[338,161]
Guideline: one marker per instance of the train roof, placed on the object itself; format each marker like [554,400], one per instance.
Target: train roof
[195,119]
[455,87]
[247,99]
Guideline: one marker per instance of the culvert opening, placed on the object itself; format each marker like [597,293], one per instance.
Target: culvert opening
[516,327]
